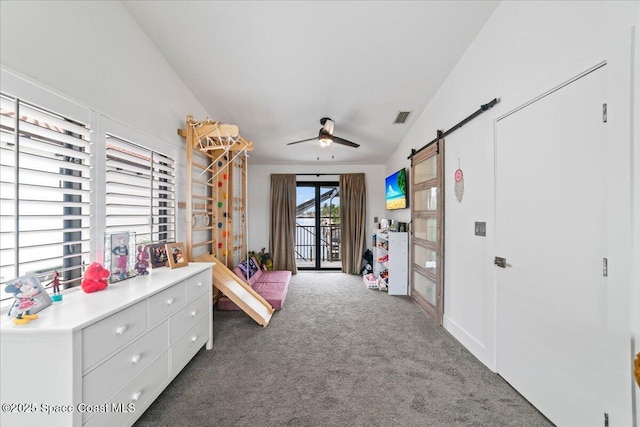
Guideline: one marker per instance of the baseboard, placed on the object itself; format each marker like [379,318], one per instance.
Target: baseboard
[477,348]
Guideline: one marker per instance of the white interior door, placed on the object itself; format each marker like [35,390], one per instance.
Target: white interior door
[550,227]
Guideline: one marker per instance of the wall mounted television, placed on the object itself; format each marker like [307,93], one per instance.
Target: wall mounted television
[396,190]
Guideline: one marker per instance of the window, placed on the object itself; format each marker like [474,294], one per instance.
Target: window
[140,191]
[44,198]
[62,187]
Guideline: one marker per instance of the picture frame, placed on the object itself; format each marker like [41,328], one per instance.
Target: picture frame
[158,255]
[177,255]
[120,255]
[30,296]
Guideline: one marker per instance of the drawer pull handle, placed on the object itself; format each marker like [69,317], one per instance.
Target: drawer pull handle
[199,284]
[194,338]
[121,329]
[136,396]
[171,301]
[194,312]
[135,359]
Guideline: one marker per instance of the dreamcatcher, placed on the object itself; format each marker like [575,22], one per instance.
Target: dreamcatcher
[459,185]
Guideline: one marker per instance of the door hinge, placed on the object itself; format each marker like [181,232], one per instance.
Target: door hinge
[605,267]
[500,262]
[604,113]
[606,420]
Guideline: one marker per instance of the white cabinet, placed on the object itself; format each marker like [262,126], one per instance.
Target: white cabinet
[391,261]
[101,359]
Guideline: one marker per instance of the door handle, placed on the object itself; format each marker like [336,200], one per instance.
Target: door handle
[500,262]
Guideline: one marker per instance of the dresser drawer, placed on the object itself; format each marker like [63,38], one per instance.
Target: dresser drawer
[187,346]
[139,392]
[164,304]
[108,335]
[198,285]
[186,318]
[104,381]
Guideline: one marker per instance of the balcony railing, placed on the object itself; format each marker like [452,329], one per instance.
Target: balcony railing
[305,244]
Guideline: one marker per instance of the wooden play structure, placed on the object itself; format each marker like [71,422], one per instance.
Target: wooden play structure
[216,190]
[239,292]
[216,209]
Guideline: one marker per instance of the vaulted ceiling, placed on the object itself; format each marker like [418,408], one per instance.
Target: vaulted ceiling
[275,68]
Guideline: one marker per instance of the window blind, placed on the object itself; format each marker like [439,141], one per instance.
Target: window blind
[140,192]
[44,194]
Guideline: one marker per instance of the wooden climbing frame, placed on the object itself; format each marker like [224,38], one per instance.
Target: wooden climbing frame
[216,190]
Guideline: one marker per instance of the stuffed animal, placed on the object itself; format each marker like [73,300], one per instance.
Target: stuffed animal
[637,368]
[95,278]
[142,257]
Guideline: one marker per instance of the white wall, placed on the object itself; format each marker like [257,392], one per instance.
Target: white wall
[95,54]
[522,45]
[260,183]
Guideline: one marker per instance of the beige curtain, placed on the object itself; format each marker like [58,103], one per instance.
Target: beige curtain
[282,222]
[353,221]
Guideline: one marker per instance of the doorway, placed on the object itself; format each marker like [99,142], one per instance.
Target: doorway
[318,240]
[550,236]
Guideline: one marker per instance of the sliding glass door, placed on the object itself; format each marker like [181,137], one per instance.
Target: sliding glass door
[317,244]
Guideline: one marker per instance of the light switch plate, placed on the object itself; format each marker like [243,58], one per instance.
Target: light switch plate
[481,228]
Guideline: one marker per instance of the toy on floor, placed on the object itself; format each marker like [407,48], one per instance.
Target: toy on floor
[143,260]
[367,262]
[24,303]
[370,280]
[95,278]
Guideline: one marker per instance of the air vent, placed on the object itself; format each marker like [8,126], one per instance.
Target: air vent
[402,117]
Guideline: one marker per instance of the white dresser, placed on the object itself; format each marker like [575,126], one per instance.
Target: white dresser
[101,359]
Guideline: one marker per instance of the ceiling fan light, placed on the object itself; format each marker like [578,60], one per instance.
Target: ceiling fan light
[325,141]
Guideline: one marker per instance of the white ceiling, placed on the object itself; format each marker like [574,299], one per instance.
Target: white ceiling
[274,68]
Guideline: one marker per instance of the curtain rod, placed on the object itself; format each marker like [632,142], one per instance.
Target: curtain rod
[316,174]
[441,134]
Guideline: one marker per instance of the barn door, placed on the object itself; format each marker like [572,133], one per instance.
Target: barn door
[427,216]
[550,241]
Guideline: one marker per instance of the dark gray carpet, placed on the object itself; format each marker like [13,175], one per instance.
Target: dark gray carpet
[338,354]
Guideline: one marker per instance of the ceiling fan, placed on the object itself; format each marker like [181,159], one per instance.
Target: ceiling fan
[326,137]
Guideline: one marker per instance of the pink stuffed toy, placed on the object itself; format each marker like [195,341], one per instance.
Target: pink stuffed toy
[95,278]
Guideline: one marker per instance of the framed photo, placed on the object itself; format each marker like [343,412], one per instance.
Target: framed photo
[177,255]
[30,297]
[158,255]
[120,255]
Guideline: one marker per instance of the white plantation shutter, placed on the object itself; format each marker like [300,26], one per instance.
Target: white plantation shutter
[140,192]
[44,194]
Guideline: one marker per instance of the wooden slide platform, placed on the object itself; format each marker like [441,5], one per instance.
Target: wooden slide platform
[239,292]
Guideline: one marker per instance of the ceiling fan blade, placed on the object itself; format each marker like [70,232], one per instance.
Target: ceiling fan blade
[304,140]
[339,140]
